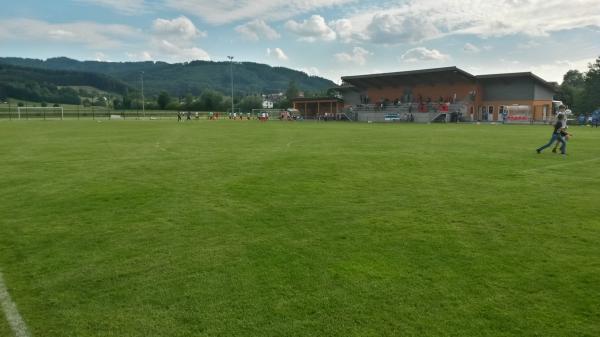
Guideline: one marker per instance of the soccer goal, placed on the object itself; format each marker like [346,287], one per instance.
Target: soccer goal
[27,112]
[270,112]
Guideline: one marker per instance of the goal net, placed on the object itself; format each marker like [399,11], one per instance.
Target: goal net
[28,112]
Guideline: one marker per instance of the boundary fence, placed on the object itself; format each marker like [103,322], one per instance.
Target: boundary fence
[36,113]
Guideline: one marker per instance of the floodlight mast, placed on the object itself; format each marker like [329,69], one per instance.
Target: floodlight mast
[143,105]
[231,71]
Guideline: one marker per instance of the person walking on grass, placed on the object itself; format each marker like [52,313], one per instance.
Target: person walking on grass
[556,136]
[565,135]
[561,111]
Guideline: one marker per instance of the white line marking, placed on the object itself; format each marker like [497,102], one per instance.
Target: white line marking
[10,311]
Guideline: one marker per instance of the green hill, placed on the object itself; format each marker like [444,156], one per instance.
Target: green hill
[194,77]
[59,86]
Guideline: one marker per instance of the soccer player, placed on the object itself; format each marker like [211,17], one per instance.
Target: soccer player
[556,136]
[561,111]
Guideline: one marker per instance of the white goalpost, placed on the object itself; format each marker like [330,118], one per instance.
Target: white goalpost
[270,112]
[41,112]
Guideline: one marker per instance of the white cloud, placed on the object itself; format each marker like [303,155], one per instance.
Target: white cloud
[528,45]
[90,34]
[228,11]
[256,30]
[312,29]
[180,28]
[141,56]
[471,48]
[415,21]
[277,53]
[127,7]
[555,71]
[345,31]
[550,71]
[358,56]
[177,53]
[169,40]
[311,71]
[423,54]
[101,57]
[400,28]
[174,40]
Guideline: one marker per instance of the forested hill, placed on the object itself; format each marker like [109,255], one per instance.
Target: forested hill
[194,77]
[34,84]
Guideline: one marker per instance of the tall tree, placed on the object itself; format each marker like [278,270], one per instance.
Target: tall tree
[250,102]
[591,90]
[292,90]
[210,100]
[571,90]
[574,78]
[163,100]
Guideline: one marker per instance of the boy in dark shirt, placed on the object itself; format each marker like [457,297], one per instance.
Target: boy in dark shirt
[557,136]
[563,133]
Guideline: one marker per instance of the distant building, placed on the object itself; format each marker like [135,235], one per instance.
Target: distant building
[315,107]
[521,96]
[267,104]
[269,100]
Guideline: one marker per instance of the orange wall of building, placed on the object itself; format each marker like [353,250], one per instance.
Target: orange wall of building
[535,106]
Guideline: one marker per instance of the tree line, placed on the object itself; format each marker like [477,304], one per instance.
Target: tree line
[580,91]
[208,100]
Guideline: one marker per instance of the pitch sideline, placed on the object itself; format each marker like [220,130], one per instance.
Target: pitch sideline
[16,322]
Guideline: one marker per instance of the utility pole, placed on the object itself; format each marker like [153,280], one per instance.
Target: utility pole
[231,69]
[143,104]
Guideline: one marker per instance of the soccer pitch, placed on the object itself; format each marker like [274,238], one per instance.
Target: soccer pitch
[241,228]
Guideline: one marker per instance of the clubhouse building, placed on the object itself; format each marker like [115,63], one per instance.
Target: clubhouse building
[436,95]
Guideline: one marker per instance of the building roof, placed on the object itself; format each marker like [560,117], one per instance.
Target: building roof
[314,99]
[508,76]
[411,76]
[344,87]
[446,74]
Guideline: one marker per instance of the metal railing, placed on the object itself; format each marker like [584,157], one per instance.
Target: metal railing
[32,113]
[414,112]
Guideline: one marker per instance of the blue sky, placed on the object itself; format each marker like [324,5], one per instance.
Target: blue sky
[329,38]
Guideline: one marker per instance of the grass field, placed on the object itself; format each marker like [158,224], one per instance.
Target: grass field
[158,228]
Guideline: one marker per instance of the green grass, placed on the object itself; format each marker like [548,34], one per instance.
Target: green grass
[158,228]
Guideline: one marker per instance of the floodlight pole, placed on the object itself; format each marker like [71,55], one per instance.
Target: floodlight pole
[231,71]
[143,105]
